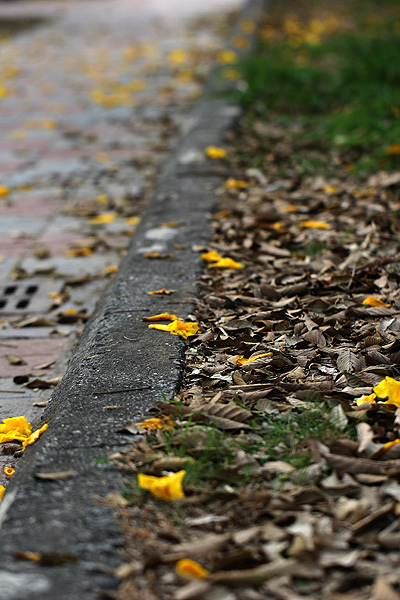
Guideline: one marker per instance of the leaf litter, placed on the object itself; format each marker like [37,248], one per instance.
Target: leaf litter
[287,421]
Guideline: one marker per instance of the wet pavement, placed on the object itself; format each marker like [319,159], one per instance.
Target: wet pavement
[92,98]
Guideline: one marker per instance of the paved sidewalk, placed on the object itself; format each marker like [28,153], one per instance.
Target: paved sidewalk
[94,104]
[93,98]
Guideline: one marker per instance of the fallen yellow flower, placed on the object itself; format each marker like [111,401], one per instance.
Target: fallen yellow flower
[161,317]
[241,360]
[178,327]
[311,224]
[103,219]
[394,149]
[168,487]
[331,189]
[4,190]
[371,301]
[191,568]
[211,256]
[226,263]
[2,490]
[371,398]
[157,423]
[390,444]
[161,291]
[389,388]
[215,153]
[111,269]
[9,471]
[235,184]
[78,252]
[227,57]
[34,436]
[14,428]
[132,220]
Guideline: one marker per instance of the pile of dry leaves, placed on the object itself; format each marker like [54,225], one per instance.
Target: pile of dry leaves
[291,461]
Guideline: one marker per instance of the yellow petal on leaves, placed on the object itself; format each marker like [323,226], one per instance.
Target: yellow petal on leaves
[161,317]
[227,57]
[191,568]
[161,291]
[394,149]
[103,219]
[177,327]
[311,224]
[235,184]
[331,189]
[2,490]
[9,471]
[211,256]
[241,360]
[371,301]
[391,444]
[168,487]
[157,423]
[371,398]
[215,153]
[389,388]
[78,252]
[34,436]
[132,220]
[226,263]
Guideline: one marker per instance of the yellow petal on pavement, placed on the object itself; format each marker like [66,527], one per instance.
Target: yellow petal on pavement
[214,152]
[161,317]
[168,487]
[235,184]
[2,490]
[103,219]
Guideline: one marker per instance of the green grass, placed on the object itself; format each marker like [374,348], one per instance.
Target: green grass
[343,94]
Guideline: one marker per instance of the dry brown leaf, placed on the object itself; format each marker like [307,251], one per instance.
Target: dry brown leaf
[55,476]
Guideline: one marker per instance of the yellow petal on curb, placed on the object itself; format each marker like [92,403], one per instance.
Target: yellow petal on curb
[160,292]
[178,327]
[371,301]
[4,190]
[9,471]
[34,436]
[214,152]
[311,224]
[168,487]
[14,428]
[241,360]
[161,317]
[2,490]
[191,568]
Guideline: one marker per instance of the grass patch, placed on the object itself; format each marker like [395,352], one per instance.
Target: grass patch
[336,78]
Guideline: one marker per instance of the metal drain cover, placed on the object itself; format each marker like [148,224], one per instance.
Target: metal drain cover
[27,296]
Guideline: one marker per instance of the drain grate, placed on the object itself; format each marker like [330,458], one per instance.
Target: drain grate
[27,296]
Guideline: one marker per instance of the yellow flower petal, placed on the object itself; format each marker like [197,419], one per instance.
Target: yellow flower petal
[161,291]
[191,568]
[103,219]
[132,220]
[15,428]
[2,490]
[371,301]
[241,360]
[157,423]
[331,189]
[370,398]
[215,152]
[168,487]
[4,190]
[390,444]
[178,327]
[34,436]
[161,317]
[102,198]
[389,388]
[111,269]
[315,224]
[226,263]
[394,149]
[78,252]
[9,471]
[211,256]
[235,184]
[227,57]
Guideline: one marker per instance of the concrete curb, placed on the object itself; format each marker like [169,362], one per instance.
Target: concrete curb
[117,363]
